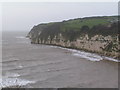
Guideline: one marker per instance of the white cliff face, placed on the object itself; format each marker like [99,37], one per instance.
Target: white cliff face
[95,44]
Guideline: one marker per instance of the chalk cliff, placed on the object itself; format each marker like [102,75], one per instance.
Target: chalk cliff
[92,34]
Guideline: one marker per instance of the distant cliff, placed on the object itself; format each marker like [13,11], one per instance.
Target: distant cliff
[93,34]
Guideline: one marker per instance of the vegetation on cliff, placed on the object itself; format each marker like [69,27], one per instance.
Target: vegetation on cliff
[71,29]
[66,33]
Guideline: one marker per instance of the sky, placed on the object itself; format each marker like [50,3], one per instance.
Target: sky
[22,16]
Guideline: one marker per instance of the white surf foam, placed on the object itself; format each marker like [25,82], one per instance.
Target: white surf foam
[111,59]
[20,66]
[94,58]
[88,56]
[7,82]
[91,56]
[11,79]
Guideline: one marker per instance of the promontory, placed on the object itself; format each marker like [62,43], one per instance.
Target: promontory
[92,34]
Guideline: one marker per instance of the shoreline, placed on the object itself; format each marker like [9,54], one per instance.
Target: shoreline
[109,58]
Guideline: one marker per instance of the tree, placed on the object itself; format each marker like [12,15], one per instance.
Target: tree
[85,29]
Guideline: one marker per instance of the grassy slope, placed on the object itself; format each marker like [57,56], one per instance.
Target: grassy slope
[90,22]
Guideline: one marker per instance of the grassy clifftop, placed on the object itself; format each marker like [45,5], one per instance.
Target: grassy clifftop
[71,29]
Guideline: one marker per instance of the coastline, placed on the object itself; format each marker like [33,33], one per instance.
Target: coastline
[104,57]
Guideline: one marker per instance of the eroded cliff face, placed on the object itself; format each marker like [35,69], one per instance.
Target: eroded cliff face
[104,45]
[93,34]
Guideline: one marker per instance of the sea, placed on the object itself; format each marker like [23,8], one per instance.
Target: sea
[46,66]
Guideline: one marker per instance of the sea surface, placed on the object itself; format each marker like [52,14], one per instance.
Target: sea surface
[43,66]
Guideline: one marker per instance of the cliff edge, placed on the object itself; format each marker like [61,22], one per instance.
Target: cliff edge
[93,34]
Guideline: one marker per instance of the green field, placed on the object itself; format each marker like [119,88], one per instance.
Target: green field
[90,22]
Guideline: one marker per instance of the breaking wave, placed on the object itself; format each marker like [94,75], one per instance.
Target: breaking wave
[11,80]
[87,55]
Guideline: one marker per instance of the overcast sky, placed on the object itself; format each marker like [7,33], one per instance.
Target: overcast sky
[23,16]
